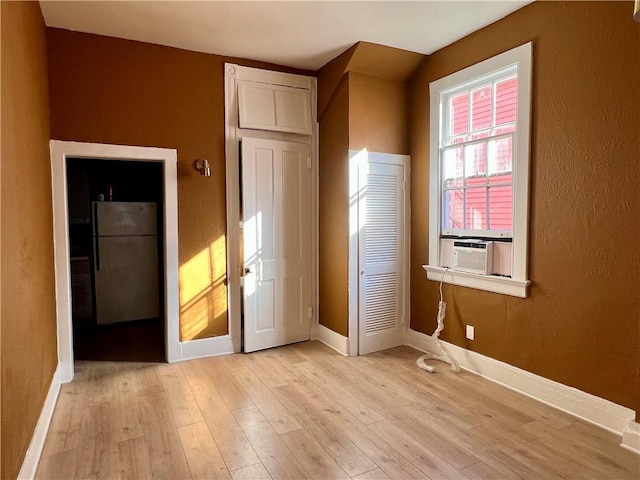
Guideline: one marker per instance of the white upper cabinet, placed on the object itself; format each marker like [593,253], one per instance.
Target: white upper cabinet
[265,106]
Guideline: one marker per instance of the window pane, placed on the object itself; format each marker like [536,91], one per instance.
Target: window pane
[499,156]
[459,111]
[500,208]
[476,209]
[481,108]
[453,167]
[501,179]
[475,164]
[453,209]
[506,105]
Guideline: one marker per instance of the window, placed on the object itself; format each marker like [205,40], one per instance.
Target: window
[477,138]
[479,172]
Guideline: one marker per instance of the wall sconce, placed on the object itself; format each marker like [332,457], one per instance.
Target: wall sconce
[203,167]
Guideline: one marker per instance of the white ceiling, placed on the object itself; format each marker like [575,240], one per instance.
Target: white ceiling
[292,33]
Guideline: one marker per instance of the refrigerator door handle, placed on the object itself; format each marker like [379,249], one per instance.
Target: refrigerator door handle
[95,218]
[96,244]
[96,249]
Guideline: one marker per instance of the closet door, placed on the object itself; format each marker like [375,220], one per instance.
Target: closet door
[276,205]
[381,251]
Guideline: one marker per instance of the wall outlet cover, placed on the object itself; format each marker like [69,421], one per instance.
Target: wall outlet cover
[470,332]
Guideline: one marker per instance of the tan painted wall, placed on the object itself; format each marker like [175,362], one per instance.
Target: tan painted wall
[364,111]
[378,118]
[381,61]
[580,324]
[28,311]
[330,76]
[109,90]
[0,249]
[334,212]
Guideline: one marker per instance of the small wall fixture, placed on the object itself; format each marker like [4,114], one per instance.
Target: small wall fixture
[203,167]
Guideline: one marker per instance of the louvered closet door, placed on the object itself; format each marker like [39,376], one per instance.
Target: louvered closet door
[381,212]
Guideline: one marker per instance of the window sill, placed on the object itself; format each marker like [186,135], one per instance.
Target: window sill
[489,283]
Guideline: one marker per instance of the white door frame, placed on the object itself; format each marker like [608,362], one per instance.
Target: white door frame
[60,151]
[233,134]
[356,158]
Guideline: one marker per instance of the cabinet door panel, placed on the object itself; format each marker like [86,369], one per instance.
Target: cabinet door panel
[264,106]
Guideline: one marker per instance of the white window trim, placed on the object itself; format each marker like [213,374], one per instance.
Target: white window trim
[518,283]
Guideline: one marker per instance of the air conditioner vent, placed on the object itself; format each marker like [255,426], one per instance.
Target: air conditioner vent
[473,256]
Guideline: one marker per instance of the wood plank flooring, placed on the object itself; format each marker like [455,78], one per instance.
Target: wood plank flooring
[303,411]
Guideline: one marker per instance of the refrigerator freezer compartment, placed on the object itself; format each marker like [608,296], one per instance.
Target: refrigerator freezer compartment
[124,218]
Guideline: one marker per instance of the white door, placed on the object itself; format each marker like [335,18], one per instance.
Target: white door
[381,253]
[276,211]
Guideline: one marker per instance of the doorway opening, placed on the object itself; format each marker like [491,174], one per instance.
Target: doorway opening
[116,259]
[61,152]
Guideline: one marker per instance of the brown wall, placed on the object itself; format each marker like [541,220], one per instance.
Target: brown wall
[357,111]
[27,280]
[0,247]
[579,325]
[109,90]
[378,114]
[330,76]
[334,212]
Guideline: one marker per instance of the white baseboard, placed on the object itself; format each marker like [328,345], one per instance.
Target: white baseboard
[596,410]
[332,339]
[631,437]
[32,458]
[206,347]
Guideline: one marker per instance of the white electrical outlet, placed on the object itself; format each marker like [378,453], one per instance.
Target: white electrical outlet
[471,332]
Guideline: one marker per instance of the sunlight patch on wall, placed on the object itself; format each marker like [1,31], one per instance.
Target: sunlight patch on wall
[203,293]
[356,162]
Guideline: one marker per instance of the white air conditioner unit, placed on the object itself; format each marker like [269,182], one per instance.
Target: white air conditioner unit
[473,256]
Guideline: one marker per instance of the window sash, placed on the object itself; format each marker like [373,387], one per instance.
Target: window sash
[471,232]
[446,95]
[464,188]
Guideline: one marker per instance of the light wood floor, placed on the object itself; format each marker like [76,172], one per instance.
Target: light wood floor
[303,411]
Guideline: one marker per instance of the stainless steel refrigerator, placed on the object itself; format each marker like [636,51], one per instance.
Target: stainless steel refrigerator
[125,258]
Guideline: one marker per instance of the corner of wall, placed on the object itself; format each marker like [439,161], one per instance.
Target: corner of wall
[1,7]
[36,445]
[631,437]
[333,216]
[333,340]
[329,78]
[28,299]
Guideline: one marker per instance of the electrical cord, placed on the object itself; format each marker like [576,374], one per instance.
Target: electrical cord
[447,357]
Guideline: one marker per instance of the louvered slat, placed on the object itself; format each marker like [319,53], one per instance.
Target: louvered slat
[381,248]
[382,303]
[382,219]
